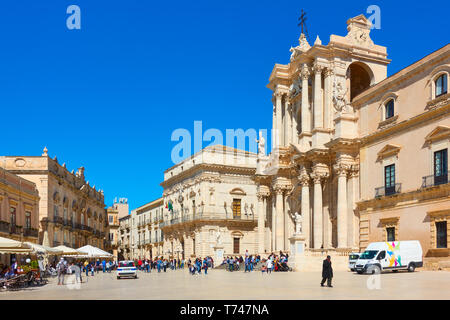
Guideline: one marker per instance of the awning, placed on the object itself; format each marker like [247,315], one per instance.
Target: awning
[94,252]
[37,248]
[66,251]
[12,246]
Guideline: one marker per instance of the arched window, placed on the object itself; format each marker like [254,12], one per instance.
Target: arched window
[441,85]
[389,109]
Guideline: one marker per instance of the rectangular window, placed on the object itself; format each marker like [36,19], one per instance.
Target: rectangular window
[390,109]
[441,234]
[27,220]
[236,208]
[389,179]
[390,232]
[440,167]
[110,219]
[236,245]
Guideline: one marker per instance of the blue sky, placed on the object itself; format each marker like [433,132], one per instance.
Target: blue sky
[108,96]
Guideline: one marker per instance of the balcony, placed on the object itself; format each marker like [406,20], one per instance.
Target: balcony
[29,232]
[13,229]
[388,191]
[229,218]
[58,220]
[4,226]
[56,243]
[433,180]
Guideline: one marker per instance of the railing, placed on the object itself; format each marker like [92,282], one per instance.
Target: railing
[13,229]
[56,243]
[209,217]
[58,220]
[433,180]
[66,243]
[29,232]
[4,226]
[388,191]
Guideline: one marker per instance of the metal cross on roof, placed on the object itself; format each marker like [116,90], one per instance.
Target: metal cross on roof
[302,22]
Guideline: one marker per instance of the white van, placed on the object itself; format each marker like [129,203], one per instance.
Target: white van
[352,258]
[393,255]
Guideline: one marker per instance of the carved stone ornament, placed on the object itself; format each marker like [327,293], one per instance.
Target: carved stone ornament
[340,101]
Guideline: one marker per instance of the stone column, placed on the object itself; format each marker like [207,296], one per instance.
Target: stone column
[260,223]
[327,108]
[294,134]
[305,211]
[266,246]
[305,112]
[274,222]
[279,241]
[318,108]
[317,211]
[274,114]
[341,171]
[352,186]
[279,132]
[288,120]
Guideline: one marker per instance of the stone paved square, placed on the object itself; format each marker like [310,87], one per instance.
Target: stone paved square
[223,285]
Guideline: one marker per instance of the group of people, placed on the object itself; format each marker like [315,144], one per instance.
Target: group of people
[8,272]
[249,261]
[159,264]
[78,267]
[196,266]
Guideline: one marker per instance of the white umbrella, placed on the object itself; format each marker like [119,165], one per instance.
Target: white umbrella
[66,251]
[12,246]
[37,248]
[94,252]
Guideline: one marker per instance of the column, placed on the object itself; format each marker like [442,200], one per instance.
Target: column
[342,213]
[327,109]
[279,241]
[318,108]
[317,211]
[294,134]
[260,223]
[266,247]
[287,117]
[306,120]
[274,114]
[274,222]
[279,132]
[352,194]
[306,228]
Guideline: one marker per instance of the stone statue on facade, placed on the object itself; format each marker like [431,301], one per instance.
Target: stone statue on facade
[261,145]
[218,238]
[340,97]
[298,222]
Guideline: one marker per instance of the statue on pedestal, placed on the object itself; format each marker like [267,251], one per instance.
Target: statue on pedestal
[298,223]
[218,239]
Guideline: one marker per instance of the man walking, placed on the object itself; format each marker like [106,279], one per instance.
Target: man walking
[327,272]
[61,269]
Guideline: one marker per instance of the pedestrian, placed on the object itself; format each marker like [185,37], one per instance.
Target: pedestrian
[205,266]
[104,265]
[86,268]
[61,269]
[269,266]
[327,272]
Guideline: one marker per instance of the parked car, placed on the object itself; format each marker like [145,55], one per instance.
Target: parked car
[393,255]
[352,257]
[126,269]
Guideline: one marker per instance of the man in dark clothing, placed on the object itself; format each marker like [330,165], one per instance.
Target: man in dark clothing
[327,272]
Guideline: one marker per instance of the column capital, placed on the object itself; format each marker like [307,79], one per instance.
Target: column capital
[317,68]
[304,73]
[328,72]
[341,169]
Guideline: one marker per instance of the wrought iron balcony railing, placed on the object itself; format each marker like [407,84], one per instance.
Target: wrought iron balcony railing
[58,220]
[29,232]
[4,226]
[388,191]
[433,180]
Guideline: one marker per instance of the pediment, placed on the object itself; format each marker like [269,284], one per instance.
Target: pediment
[388,150]
[238,191]
[439,133]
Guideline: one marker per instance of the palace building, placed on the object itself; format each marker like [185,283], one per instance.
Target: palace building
[213,204]
[71,212]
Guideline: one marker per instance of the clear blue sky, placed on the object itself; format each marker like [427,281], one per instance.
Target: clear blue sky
[108,96]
